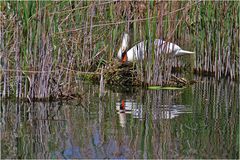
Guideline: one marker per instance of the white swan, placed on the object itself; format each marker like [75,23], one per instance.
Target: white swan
[137,52]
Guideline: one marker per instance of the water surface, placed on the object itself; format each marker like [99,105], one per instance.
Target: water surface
[201,121]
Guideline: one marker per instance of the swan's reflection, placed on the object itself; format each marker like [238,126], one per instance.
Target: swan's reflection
[169,111]
[130,106]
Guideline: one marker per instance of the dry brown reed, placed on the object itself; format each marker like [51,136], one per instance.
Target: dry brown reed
[46,42]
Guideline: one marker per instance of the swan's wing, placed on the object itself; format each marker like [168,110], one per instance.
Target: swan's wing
[162,46]
[137,52]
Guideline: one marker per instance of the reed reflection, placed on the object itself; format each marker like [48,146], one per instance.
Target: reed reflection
[142,124]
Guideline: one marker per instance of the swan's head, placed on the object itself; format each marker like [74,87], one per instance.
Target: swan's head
[124,45]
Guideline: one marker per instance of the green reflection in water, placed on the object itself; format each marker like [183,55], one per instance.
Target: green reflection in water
[201,121]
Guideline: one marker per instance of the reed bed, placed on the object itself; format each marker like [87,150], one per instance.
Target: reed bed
[46,46]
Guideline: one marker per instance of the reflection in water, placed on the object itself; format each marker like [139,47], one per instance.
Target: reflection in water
[198,122]
[170,111]
[129,106]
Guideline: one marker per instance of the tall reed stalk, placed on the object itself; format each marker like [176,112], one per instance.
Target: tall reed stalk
[46,45]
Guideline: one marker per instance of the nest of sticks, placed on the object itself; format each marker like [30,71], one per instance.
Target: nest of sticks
[116,73]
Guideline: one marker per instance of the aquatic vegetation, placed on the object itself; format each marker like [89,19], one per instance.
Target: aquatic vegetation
[45,46]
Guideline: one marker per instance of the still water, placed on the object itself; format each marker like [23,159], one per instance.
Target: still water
[201,121]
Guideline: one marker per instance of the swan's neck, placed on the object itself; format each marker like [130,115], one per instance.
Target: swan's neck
[124,46]
[125,41]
